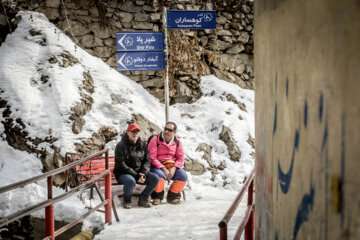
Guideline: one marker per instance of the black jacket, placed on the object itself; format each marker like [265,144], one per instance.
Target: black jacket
[131,158]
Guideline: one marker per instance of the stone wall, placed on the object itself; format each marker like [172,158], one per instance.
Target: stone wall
[226,52]
[307,119]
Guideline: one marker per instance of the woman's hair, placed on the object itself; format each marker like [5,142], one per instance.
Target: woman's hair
[174,124]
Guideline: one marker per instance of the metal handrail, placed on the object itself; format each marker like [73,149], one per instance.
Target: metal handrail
[49,204]
[50,173]
[248,220]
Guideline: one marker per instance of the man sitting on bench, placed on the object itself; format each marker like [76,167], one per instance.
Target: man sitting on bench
[132,166]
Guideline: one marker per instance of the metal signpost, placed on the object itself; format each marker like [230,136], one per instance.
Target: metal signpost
[184,19]
[144,50]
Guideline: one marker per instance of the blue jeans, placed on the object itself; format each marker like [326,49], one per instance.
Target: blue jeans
[180,174]
[129,183]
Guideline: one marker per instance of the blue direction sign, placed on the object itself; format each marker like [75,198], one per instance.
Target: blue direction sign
[140,41]
[140,60]
[191,19]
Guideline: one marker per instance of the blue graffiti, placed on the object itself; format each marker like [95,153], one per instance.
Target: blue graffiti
[275,120]
[325,136]
[285,178]
[321,104]
[305,113]
[287,86]
[304,209]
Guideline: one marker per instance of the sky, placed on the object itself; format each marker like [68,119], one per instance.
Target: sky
[45,109]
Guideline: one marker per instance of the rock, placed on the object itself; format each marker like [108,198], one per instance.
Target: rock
[108,133]
[154,82]
[245,9]
[235,49]
[87,41]
[147,128]
[110,42]
[141,17]
[124,17]
[100,30]
[140,3]
[53,3]
[147,8]
[231,98]
[3,22]
[220,45]
[224,33]
[221,20]
[143,25]
[78,29]
[204,40]
[251,141]
[240,69]
[94,12]
[223,60]
[50,13]
[236,26]
[68,60]
[230,77]
[88,82]
[78,124]
[226,137]
[243,37]
[194,166]
[103,51]
[226,39]
[155,17]
[206,148]
[129,6]
[183,93]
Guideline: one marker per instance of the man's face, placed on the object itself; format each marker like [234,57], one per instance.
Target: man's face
[169,131]
[133,135]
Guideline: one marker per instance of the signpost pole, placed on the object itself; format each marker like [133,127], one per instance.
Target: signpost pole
[166,86]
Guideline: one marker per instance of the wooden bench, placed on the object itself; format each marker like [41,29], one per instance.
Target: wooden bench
[94,167]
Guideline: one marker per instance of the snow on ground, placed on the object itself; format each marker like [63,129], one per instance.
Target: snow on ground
[44,107]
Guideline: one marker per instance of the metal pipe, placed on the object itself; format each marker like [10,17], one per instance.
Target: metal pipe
[50,173]
[166,87]
[49,211]
[8,219]
[243,223]
[107,190]
[233,207]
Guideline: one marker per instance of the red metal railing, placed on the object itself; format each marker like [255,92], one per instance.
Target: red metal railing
[49,204]
[247,222]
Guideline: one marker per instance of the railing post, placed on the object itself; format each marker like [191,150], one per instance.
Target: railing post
[249,229]
[49,212]
[223,233]
[107,190]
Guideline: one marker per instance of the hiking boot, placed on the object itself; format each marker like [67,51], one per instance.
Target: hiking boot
[173,198]
[174,201]
[127,204]
[156,201]
[144,202]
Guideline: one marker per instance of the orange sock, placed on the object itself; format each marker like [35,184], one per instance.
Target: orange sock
[177,186]
[160,186]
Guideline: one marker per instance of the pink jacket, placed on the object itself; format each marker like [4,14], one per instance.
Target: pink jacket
[165,151]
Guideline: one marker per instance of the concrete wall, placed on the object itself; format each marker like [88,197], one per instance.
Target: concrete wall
[307,87]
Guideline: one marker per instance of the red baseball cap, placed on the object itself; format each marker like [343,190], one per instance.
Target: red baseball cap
[133,127]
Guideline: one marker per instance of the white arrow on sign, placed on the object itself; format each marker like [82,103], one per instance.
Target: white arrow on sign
[121,41]
[120,61]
